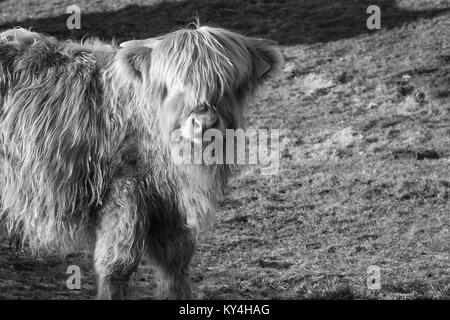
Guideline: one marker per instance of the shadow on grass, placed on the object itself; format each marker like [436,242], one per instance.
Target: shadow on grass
[289,22]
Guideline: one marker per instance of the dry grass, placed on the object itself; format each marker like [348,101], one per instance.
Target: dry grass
[364,176]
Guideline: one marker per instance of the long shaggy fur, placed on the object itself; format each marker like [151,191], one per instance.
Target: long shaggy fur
[82,129]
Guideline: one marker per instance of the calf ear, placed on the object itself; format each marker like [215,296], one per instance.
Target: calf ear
[134,57]
[132,62]
[267,58]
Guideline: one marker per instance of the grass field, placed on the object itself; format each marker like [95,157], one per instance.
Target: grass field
[365,157]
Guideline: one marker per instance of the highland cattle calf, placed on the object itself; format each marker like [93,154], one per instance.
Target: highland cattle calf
[86,133]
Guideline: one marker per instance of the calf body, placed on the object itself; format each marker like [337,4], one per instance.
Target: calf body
[86,138]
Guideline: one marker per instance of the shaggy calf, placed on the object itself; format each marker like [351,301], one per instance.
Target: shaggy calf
[86,133]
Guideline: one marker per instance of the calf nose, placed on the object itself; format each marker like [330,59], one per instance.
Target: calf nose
[204,121]
[198,123]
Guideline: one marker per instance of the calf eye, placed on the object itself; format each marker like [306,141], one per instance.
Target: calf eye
[202,108]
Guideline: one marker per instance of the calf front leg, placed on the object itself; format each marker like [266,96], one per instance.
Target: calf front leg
[120,240]
[170,247]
